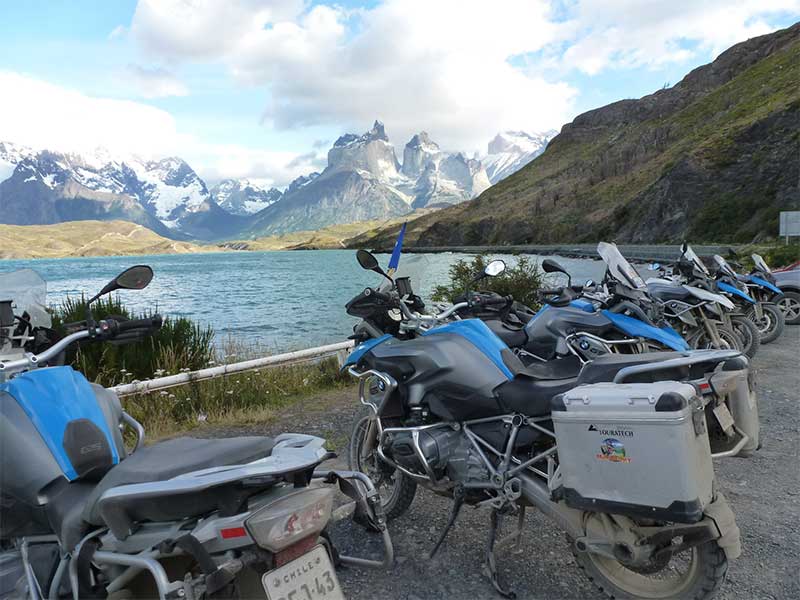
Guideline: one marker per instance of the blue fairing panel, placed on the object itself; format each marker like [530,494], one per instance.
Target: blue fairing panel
[765,283]
[53,397]
[667,336]
[583,305]
[480,336]
[730,289]
[363,348]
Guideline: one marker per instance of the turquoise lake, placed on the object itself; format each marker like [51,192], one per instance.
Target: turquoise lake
[277,300]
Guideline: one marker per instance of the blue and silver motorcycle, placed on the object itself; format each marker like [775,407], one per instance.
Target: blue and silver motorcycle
[83,514]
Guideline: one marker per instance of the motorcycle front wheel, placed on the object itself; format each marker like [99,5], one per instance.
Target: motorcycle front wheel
[730,340]
[396,489]
[771,326]
[748,333]
[695,573]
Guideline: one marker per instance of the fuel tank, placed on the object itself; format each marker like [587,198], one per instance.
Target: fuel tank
[452,370]
[55,425]
[551,325]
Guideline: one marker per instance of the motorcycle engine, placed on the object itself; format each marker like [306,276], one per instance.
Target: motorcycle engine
[447,452]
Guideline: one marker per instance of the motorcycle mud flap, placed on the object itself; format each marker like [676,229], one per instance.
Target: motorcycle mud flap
[729,538]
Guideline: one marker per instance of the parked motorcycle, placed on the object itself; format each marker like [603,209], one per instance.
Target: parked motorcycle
[83,515]
[617,453]
[767,314]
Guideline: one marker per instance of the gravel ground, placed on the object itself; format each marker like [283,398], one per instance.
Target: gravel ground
[763,491]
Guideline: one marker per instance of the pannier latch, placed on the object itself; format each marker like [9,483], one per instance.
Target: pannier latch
[698,417]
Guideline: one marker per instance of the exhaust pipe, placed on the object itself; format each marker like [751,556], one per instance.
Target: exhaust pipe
[538,495]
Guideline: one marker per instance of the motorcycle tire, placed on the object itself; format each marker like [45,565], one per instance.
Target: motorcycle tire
[398,495]
[706,573]
[772,325]
[748,333]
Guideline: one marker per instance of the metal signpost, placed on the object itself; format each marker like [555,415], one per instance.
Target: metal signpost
[790,224]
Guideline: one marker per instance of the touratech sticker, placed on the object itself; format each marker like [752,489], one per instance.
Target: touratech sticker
[616,431]
[613,450]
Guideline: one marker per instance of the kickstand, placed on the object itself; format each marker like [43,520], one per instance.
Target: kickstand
[458,502]
[491,564]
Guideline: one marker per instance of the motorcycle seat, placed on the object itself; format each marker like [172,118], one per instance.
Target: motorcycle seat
[169,459]
[529,396]
[511,336]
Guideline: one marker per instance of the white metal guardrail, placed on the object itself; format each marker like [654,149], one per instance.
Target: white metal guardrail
[151,385]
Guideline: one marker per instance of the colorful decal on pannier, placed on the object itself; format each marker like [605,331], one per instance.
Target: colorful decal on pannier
[613,450]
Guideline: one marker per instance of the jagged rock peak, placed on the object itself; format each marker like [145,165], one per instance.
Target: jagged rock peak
[378,132]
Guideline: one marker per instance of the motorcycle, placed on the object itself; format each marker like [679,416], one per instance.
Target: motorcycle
[452,409]
[766,314]
[85,515]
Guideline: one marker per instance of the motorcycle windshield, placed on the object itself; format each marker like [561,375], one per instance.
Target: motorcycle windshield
[724,266]
[412,266]
[28,293]
[760,263]
[619,268]
[690,255]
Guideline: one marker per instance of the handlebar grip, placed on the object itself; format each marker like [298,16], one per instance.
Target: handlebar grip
[553,292]
[153,322]
[502,300]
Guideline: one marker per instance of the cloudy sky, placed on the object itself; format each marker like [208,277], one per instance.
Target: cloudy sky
[261,88]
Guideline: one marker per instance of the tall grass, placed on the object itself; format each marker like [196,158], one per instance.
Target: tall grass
[183,345]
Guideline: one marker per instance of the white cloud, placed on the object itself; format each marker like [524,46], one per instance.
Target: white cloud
[42,115]
[442,66]
[635,33]
[120,31]
[461,69]
[154,83]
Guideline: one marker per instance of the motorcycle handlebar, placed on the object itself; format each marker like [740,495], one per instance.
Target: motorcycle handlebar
[153,322]
[499,301]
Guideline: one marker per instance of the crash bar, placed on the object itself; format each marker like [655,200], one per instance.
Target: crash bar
[340,350]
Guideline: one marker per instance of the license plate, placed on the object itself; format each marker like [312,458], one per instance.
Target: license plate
[723,416]
[310,577]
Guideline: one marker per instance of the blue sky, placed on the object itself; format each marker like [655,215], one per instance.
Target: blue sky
[260,88]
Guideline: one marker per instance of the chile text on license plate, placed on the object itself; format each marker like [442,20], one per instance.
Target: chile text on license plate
[310,577]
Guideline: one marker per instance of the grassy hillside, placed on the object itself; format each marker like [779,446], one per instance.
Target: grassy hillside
[714,158]
[88,238]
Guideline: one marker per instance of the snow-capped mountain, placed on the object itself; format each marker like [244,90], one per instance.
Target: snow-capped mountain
[509,151]
[244,196]
[365,181]
[165,195]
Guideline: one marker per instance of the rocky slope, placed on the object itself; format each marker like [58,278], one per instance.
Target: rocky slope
[714,158]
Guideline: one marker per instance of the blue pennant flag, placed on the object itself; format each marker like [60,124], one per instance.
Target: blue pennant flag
[394,261]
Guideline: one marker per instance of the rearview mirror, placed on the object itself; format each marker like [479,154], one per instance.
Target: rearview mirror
[134,278]
[367,261]
[494,268]
[551,266]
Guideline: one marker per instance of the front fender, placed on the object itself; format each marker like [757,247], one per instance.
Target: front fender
[765,284]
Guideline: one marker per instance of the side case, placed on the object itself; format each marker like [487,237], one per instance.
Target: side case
[638,449]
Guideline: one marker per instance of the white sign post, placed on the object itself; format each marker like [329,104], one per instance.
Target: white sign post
[790,224]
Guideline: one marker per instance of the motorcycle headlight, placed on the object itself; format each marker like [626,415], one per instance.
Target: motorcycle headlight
[295,516]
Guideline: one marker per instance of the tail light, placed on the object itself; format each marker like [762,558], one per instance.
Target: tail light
[291,518]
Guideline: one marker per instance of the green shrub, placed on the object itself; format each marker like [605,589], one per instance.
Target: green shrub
[522,281]
[180,341]
[783,255]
